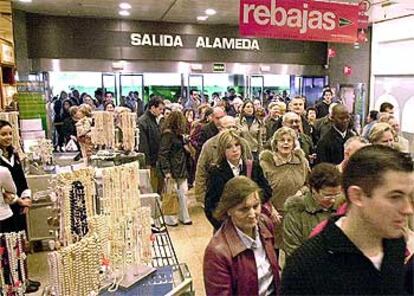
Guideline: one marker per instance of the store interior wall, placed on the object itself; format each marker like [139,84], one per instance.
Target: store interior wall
[393,70]
[347,55]
[20,38]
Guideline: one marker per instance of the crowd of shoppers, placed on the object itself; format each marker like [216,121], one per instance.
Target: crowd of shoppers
[272,174]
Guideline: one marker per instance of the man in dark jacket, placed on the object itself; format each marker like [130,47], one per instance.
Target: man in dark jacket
[331,147]
[150,137]
[322,108]
[212,128]
[365,248]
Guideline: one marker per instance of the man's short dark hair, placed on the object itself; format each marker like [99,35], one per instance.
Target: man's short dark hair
[311,109]
[324,175]
[155,101]
[327,90]
[367,166]
[384,106]
[98,92]
[373,114]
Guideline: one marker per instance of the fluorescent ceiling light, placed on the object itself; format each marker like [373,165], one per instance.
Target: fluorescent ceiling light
[210,11]
[202,18]
[26,1]
[124,5]
[124,12]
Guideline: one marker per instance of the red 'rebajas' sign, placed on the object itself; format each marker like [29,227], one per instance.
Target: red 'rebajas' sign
[299,19]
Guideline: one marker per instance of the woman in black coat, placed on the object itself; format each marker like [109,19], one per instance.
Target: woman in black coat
[232,164]
[172,162]
[10,160]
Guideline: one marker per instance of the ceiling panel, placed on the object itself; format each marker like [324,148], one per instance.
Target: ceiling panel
[382,10]
[187,11]
[141,9]
[184,11]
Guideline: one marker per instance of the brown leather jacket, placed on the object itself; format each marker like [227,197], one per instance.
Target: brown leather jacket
[230,268]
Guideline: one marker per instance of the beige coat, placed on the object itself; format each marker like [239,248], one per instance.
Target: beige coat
[208,158]
[255,135]
[284,178]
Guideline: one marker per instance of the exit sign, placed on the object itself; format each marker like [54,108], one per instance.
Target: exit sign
[219,67]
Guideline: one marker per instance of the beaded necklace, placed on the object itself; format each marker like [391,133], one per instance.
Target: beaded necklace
[128,126]
[79,224]
[103,132]
[12,263]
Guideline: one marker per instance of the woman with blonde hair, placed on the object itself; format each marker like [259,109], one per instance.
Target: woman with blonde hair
[286,169]
[240,258]
[232,162]
[383,134]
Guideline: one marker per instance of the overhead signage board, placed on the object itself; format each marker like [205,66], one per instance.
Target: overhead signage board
[299,20]
[219,67]
[176,41]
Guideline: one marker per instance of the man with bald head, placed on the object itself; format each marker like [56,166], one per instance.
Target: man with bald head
[294,121]
[212,128]
[209,157]
[351,146]
[331,146]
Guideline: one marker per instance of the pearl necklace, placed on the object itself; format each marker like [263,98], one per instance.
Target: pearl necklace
[75,204]
[12,245]
[103,132]
[128,125]
[75,268]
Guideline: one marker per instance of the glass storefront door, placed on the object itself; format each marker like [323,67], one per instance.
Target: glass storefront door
[131,82]
[196,83]
[109,84]
[256,88]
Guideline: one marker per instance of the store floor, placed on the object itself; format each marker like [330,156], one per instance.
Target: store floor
[189,242]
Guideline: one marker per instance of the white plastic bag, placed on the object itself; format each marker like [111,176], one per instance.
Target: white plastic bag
[71,146]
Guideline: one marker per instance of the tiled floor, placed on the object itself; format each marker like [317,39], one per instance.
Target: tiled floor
[189,243]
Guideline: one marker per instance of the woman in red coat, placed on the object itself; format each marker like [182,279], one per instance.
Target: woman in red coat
[240,258]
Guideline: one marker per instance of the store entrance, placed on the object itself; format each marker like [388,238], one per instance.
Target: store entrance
[172,86]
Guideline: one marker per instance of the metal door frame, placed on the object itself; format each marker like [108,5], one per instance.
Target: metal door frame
[250,87]
[141,91]
[113,74]
[202,84]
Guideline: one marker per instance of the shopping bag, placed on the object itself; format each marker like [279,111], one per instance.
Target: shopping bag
[170,198]
[71,146]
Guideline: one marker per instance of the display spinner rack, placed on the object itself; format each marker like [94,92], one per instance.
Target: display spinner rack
[164,255]
[171,277]
[170,272]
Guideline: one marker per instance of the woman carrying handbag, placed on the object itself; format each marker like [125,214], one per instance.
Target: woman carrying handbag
[172,162]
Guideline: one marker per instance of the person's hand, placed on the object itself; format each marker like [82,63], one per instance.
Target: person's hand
[275,216]
[26,202]
[8,197]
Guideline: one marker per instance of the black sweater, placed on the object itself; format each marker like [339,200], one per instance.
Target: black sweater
[330,264]
[219,176]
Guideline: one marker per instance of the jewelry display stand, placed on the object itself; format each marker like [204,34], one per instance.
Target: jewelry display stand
[115,240]
[12,268]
